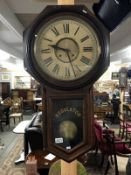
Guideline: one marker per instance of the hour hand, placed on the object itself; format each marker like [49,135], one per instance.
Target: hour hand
[59,48]
[54,46]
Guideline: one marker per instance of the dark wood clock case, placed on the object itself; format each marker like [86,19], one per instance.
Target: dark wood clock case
[78,11]
[68,106]
[69,122]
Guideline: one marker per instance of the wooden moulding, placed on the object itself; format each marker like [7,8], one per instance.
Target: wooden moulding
[69,168]
[65,2]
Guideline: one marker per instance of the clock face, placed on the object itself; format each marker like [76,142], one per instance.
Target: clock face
[66,48]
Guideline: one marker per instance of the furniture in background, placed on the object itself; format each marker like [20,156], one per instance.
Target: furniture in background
[33,136]
[34,146]
[44,161]
[1,114]
[102,106]
[33,139]
[116,107]
[20,129]
[37,101]
[7,101]
[100,99]
[27,95]
[124,126]
[5,89]
[22,82]
[16,110]
[102,111]
[39,106]
[127,111]
[4,115]
[110,146]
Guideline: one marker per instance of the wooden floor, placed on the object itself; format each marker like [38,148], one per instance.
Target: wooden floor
[8,138]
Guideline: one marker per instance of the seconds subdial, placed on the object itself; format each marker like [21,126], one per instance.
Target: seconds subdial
[66,45]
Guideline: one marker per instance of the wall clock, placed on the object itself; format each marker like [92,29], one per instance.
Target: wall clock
[66,47]
[67,50]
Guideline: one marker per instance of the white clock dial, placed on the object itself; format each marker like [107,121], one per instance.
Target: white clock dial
[66,48]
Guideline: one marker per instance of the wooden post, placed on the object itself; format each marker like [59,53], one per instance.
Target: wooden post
[66,2]
[122,99]
[69,168]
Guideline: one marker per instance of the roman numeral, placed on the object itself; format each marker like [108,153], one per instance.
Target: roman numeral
[87,49]
[85,60]
[55,31]
[56,68]
[67,72]
[45,51]
[84,39]
[77,30]
[48,61]
[66,28]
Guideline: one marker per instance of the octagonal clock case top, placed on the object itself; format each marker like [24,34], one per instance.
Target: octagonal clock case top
[66,47]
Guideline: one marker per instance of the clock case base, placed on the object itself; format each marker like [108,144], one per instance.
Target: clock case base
[59,107]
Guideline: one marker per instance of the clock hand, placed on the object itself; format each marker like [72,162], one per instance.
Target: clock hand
[67,52]
[60,48]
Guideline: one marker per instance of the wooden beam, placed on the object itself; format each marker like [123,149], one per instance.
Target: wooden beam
[122,94]
[69,168]
[66,2]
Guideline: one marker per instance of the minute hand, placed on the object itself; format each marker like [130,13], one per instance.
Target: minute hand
[59,48]
[67,52]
